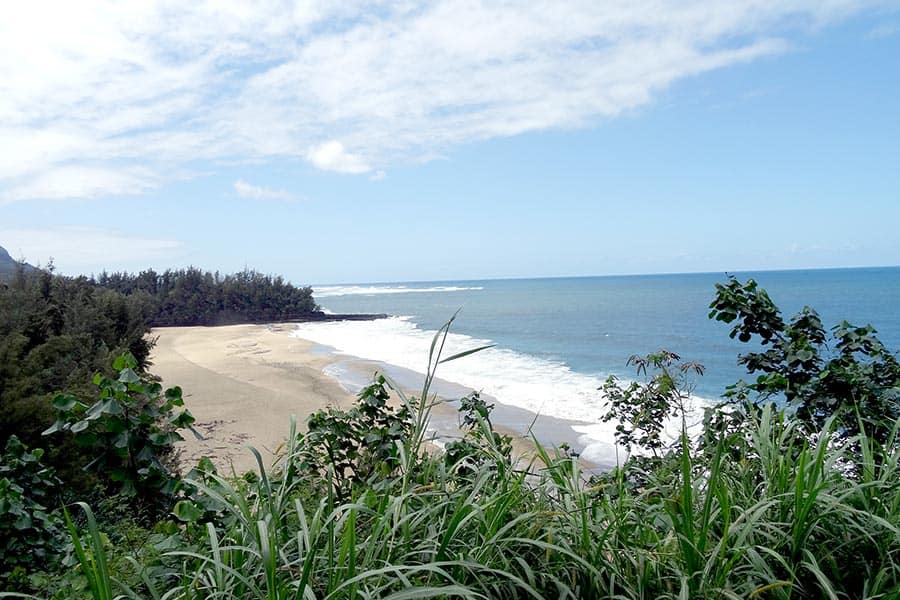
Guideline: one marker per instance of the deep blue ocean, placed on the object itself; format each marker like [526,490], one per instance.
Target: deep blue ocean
[593,324]
[557,339]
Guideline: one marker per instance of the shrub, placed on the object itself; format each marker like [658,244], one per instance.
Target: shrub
[480,445]
[30,530]
[355,446]
[858,383]
[131,429]
[641,410]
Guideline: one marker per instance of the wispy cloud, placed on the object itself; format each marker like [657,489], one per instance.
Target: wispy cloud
[258,192]
[885,30]
[79,181]
[74,249]
[107,97]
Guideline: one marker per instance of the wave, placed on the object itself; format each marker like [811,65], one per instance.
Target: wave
[373,290]
[541,386]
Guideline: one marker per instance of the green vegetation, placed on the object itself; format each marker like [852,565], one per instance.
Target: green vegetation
[356,445]
[129,431]
[194,297]
[856,383]
[800,501]
[55,334]
[64,334]
[30,532]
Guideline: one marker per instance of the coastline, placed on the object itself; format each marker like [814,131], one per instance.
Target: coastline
[243,383]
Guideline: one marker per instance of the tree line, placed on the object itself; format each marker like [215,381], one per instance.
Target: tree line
[192,296]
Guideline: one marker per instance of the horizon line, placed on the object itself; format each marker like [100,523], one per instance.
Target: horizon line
[610,275]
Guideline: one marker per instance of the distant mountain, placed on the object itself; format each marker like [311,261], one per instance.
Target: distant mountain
[8,264]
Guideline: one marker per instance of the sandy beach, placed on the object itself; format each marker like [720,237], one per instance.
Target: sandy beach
[242,383]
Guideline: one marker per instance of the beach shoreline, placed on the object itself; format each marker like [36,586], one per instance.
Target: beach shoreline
[243,383]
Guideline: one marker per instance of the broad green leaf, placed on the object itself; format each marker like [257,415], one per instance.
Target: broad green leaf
[124,361]
[183,419]
[59,425]
[64,402]
[186,511]
[128,376]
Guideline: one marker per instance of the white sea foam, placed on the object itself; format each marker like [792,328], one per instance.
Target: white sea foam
[374,290]
[539,385]
[598,438]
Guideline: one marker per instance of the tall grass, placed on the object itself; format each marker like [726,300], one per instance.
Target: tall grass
[786,521]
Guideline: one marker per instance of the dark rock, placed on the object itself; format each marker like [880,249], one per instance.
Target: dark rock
[321,316]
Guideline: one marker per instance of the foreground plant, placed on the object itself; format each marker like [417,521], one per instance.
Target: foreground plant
[776,524]
[131,428]
[641,410]
[30,529]
[360,446]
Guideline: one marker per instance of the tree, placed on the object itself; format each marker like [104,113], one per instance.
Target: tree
[857,381]
[642,409]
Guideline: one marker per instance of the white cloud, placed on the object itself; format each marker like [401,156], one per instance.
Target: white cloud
[258,192]
[74,181]
[332,156]
[885,30]
[77,249]
[136,91]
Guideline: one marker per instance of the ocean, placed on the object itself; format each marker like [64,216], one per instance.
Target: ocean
[557,339]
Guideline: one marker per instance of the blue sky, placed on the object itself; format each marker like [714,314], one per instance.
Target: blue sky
[460,140]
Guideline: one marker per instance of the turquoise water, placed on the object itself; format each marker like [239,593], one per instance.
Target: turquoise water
[593,324]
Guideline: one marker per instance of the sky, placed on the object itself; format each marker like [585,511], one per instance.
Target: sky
[400,141]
